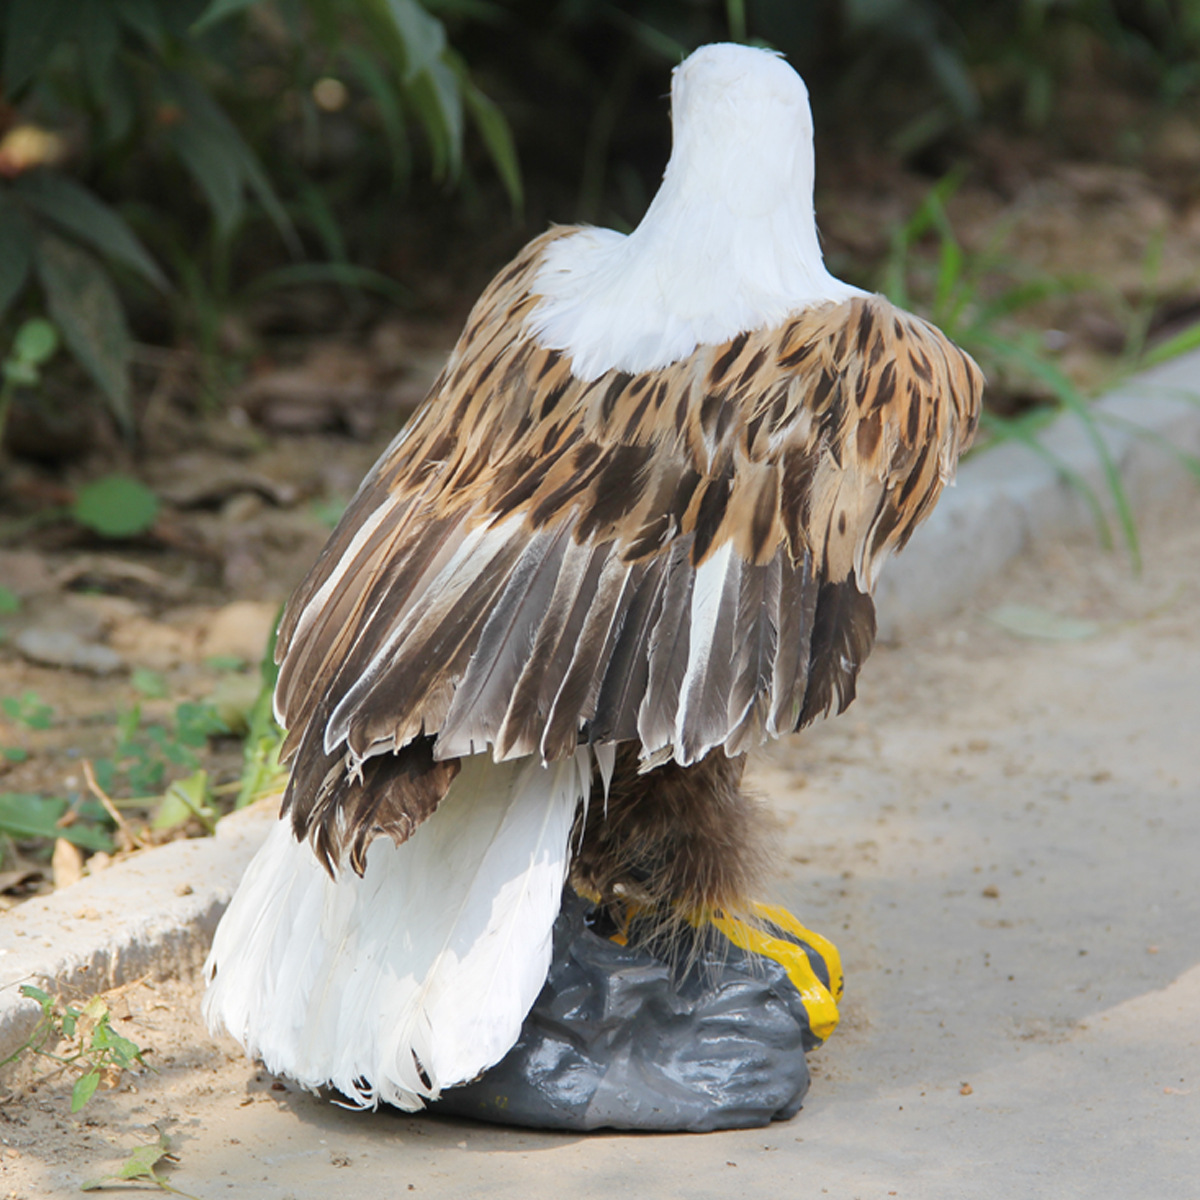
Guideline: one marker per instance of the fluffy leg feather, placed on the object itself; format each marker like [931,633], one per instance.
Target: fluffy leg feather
[677,845]
[676,839]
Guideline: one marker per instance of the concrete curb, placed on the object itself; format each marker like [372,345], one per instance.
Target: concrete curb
[132,919]
[154,913]
[1011,499]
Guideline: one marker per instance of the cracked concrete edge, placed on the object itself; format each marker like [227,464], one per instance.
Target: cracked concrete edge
[132,920]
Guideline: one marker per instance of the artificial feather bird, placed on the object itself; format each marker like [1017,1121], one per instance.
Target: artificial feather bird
[632,532]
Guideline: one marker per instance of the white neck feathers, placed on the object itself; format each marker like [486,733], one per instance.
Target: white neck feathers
[728,244]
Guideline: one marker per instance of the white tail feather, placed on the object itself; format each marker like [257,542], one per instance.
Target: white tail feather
[709,595]
[418,975]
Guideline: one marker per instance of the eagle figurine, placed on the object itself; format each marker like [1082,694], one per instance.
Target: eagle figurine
[632,533]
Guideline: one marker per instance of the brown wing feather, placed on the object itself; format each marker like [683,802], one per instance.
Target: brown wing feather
[525,564]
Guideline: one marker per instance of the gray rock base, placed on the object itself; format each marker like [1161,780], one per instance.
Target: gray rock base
[617,1040]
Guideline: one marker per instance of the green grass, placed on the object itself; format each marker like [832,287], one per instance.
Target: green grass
[156,772]
[978,301]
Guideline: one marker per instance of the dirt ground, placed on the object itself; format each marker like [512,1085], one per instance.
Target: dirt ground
[1000,835]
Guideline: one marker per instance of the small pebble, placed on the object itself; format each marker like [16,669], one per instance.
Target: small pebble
[61,648]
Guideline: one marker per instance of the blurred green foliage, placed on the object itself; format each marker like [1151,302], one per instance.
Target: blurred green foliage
[146,753]
[198,116]
[583,80]
[976,317]
[163,161]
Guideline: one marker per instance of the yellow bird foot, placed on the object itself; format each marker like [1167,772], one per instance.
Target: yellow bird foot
[776,934]
[767,930]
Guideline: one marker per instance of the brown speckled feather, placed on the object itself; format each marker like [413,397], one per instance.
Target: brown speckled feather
[682,556]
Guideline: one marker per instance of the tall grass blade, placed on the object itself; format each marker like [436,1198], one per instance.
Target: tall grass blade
[1067,394]
[1181,343]
[1017,430]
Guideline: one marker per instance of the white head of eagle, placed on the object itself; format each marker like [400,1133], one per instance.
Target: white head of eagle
[729,243]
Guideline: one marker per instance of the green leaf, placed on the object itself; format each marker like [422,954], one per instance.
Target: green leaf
[146,777]
[28,709]
[316,208]
[214,169]
[438,102]
[121,1052]
[172,811]
[13,754]
[99,35]
[139,1165]
[118,109]
[420,37]
[116,506]
[35,343]
[19,373]
[106,771]
[35,993]
[1028,621]
[260,751]
[196,723]
[951,73]
[10,602]
[497,137]
[32,29]
[127,727]
[25,815]
[173,750]
[144,17]
[648,35]
[85,307]
[16,253]
[387,101]
[84,1089]
[220,10]
[224,662]
[149,683]
[185,798]
[221,162]
[89,219]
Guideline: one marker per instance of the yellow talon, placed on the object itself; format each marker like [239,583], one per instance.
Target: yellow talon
[632,912]
[820,1005]
[820,1002]
[822,945]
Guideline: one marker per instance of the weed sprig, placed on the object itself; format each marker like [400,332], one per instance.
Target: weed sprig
[93,1047]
